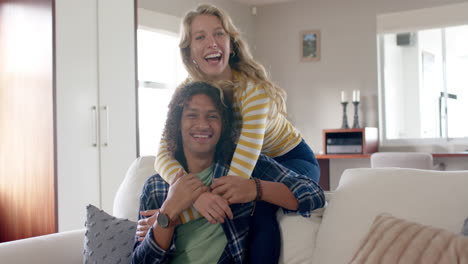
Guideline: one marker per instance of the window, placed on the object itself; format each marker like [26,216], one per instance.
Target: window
[160,70]
[423,79]
[425,83]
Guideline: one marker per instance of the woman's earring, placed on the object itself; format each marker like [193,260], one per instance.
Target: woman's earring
[194,62]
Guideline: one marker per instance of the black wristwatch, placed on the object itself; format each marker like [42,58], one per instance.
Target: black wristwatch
[164,220]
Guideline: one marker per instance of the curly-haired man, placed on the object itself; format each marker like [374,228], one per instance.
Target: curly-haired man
[200,136]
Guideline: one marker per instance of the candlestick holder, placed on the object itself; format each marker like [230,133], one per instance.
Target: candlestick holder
[344,124]
[356,115]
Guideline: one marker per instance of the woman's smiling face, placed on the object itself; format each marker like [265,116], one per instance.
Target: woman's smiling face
[210,47]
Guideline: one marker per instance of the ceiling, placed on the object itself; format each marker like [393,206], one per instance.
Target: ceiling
[260,2]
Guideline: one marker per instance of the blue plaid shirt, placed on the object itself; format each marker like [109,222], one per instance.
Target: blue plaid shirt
[309,195]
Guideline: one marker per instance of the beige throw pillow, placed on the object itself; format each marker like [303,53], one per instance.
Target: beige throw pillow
[391,240]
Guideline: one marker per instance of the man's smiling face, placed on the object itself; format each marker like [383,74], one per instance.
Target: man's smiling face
[201,126]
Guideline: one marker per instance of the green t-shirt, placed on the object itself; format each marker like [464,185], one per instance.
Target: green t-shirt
[198,241]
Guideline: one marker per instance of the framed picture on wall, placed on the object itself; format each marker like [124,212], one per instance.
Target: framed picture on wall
[310,45]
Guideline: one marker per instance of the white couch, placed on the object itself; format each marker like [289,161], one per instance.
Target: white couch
[437,198]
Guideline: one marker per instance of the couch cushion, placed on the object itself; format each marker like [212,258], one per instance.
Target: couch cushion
[107,239]
[436,198]
[392,240]
[298,235]
[127,198]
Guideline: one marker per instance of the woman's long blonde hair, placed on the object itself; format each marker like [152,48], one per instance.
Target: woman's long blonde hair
[241,59]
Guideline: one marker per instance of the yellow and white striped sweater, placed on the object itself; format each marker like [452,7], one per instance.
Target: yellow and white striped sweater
[273,136]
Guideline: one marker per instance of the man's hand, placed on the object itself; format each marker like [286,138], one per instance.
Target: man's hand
[145,224]
[183,192]
[213,207]
[235,189]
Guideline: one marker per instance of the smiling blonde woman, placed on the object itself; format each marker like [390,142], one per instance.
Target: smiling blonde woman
[214,51]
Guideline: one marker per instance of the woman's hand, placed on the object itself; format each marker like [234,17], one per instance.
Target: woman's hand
[235,189]
[183,192]
[213,207]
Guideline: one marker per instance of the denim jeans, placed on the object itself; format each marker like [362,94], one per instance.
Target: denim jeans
[301,160]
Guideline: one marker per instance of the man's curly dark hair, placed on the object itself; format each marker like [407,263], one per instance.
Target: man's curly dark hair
[172,131]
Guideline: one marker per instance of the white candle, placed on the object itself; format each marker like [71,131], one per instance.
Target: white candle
[358,96]
[343,96]
[354,95]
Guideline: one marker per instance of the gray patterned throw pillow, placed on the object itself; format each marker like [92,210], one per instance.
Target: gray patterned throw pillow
[108,239]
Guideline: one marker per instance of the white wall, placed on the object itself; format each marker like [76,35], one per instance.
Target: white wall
[348,61]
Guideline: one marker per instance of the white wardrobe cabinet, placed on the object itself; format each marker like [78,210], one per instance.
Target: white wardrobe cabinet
[95,103]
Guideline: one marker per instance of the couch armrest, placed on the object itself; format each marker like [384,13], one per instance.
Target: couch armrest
[59,248]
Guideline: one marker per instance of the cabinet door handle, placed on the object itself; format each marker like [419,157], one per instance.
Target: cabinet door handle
[95,119]
[106,140]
